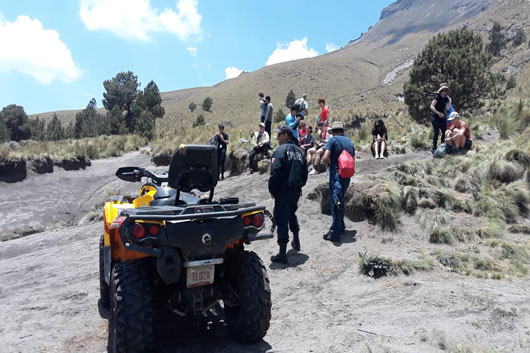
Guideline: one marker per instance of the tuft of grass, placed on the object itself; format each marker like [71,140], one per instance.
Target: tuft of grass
[514,252]
[409,199]
[505,172]
[518,156]
[387,208]
[454,261]
[519,228]
[491,230]
[430,220]
[377,266]
[441,236]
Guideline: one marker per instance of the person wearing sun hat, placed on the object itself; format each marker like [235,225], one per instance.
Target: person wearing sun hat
[337,185]
[458,135]
[439,107]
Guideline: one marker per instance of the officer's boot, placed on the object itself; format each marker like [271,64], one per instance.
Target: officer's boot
[295,244]
[281,258]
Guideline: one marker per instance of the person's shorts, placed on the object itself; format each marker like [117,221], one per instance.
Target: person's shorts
[468,144]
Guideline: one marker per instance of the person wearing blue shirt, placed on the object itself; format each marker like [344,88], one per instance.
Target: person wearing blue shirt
[292,121]
[263,107]
[337,185]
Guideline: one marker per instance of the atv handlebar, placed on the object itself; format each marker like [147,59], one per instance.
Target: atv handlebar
[135,174]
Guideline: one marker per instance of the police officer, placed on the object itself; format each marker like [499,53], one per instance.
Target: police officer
[288,176]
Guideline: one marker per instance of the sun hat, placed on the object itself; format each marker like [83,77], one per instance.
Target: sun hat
[337,125]
[442,87]
[453,116]
[262,124]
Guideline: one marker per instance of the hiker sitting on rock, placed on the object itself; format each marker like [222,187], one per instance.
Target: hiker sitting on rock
[302,132]
[379,135]
[458,135]
[261,142]
[309,141]
[324,135]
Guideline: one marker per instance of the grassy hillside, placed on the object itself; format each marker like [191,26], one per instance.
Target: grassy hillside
[366,75]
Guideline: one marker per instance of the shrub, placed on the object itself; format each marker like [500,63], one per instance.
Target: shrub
[192,106]
[518,156]
[519,38]
[207,104]
[199,121]
[454,262]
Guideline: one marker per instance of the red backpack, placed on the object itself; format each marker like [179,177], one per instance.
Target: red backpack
[346,164]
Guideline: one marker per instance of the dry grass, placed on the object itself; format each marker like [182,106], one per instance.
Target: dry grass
[91,148]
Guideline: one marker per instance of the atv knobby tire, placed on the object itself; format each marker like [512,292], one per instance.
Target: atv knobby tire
[104,290]
[249,321]
[131,308]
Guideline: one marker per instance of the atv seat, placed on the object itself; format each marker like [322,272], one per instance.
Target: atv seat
[193,167]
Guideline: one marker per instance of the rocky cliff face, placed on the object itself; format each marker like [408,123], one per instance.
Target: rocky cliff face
[395,7]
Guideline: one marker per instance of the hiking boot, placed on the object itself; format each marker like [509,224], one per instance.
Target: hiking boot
[329,236]
[281,258]
[295,243]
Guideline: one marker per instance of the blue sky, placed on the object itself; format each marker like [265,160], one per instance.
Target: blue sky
[55,54]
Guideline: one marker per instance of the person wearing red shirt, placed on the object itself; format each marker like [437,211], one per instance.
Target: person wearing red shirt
[324,112]
[458,134]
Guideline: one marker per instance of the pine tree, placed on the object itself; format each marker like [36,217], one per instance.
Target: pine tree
[122,90]
[497,40]
[458,58]
[192,106]
[4,132]
[207,104]
[117,121]
[90,123]
[290,99]
[54,129]
[279,116]
[145,125]
[16,121]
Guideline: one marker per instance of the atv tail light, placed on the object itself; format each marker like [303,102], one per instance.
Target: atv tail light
[247,221]
[138,231]
[257,220]
[153,230]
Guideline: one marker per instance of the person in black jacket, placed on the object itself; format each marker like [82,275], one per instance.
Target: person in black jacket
[288,176]
[439,107]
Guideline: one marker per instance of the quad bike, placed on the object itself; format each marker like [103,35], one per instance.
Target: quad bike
[167,248]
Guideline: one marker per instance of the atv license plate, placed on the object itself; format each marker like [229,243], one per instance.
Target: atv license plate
[200,276]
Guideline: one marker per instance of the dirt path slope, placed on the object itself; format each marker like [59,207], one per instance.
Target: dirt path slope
[49,293]
[59,198]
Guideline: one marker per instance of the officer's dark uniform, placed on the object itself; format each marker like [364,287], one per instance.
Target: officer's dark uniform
[288,176]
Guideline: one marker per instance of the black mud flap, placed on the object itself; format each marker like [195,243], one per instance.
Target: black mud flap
[169,265]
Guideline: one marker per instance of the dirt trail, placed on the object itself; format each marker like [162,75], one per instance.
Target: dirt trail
[320,302]
[59,198]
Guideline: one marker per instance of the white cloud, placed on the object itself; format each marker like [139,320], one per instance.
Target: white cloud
[232,72]
[192,51]
[297,49]
[136,19]
[331,47]
[32,50]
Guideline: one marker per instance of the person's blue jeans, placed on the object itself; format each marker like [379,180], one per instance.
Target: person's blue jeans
[337,190]
[285,206]
[262,119]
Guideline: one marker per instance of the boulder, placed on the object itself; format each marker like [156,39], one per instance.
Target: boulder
[12,170]
[72,163]
[41,165]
